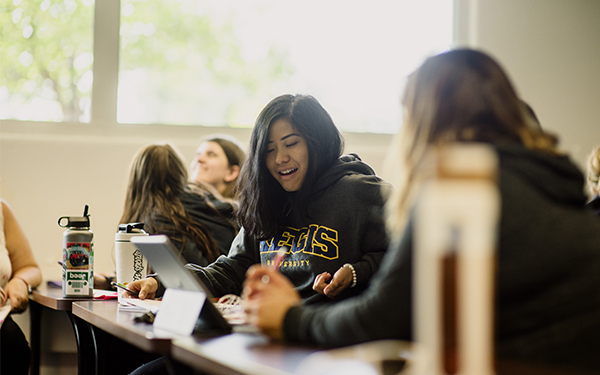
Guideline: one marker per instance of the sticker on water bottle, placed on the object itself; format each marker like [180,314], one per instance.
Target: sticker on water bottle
[78,255]
[78,277]
[77,283]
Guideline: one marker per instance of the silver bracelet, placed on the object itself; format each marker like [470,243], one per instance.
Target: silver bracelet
[29,290]
[353,274]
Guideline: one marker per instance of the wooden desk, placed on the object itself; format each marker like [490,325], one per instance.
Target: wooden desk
[237,353]
[240,353]
[114,334]
[52,298]
[106,316]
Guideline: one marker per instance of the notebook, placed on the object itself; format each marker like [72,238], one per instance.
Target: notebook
[170,268]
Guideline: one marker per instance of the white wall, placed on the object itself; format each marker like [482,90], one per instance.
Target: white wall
[549,48]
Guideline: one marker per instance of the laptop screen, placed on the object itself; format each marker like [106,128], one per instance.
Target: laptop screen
[170,268]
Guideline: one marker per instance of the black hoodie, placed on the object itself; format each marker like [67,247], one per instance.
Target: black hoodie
[344,224]
[215,215]
[548,278]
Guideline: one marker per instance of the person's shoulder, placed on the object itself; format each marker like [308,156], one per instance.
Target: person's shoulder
[359,180]
[350,176]
[353,163]
[361,187]
[355,173]
[204,203]
[193,197]
[210,195]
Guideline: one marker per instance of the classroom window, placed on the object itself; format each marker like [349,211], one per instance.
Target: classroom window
[47,60]
[218,62]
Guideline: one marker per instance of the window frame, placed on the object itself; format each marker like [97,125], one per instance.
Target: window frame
[106,34]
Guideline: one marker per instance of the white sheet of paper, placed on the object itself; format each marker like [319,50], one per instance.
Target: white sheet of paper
[139,305]
[179,311]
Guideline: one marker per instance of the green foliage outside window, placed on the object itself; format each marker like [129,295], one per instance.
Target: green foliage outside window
[46,58]
[182,62]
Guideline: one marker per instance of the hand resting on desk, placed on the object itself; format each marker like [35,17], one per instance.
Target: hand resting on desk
[18,293]
[269,295]
[146,288]
[341,280]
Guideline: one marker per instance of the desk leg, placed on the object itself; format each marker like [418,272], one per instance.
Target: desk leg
[86,348]
[99,342]
[35,323]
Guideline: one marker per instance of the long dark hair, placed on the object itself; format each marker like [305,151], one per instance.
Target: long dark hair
[261,197]
[157,180]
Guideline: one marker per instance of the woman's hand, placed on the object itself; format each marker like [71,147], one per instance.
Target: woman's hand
[341,280]
[146,288]
[18,293]
[269,295]
[101,281]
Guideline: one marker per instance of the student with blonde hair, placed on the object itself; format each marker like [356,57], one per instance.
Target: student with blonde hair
[548,262]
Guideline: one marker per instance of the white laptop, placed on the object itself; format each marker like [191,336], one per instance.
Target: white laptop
[170,268]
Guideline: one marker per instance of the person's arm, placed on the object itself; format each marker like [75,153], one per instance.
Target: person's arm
[26,272]
[226,275]
[383,311]
[268,295]
[147,288]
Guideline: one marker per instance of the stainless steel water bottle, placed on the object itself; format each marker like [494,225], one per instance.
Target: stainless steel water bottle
[78,256]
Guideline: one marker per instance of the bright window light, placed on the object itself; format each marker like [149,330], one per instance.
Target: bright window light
[217,63]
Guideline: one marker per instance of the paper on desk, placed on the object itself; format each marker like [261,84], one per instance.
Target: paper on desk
[235,315]
[139,305]
[232,309]
[105,294]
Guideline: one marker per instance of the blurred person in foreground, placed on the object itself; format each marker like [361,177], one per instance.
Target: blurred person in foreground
[548,261]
